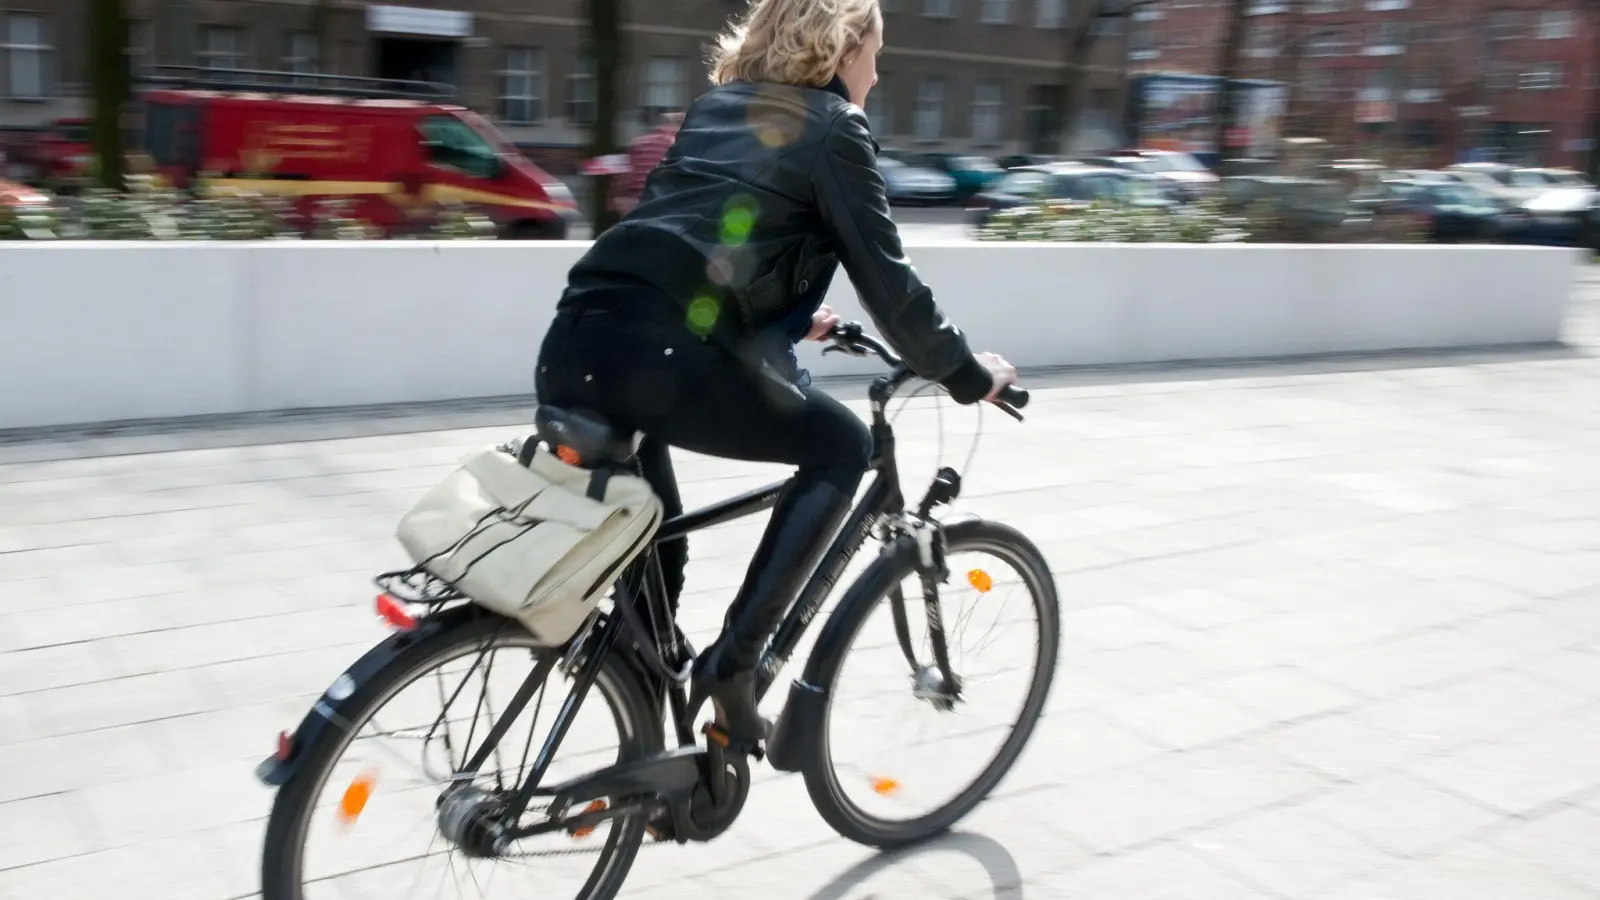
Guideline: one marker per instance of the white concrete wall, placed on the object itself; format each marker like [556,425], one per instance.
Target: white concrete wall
[107,331]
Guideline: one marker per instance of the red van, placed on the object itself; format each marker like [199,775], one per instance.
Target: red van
[401,158]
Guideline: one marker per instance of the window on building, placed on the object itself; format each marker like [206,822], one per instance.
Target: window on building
[1050,13]
[1545,77]
[880,117]
[222,47]
[28,56]
[522,85]
[1387,5]
[939,9]
[996,12]
[1142,44]
[929,124]
[1329,42]
[300,53]
[1324,7]
[988,112]
[1555,24]
[581,97]
[1389,35]
[1263,39]
[666,87]
[1265,7]
[1506,25]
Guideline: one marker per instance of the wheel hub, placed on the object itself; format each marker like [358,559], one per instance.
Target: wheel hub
[469,818]
[930,686]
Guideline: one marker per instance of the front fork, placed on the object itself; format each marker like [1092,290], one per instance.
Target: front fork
[939,682]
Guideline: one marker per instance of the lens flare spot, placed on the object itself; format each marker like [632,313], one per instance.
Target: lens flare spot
[980,581]
[719,269]
[356,796]
[703,313]
[885,787]
[771,137]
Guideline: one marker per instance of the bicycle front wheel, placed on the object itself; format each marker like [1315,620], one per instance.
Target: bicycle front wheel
[364,816]
[874,781]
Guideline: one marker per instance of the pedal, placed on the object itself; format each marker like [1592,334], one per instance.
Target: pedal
[583,831]
[716,735]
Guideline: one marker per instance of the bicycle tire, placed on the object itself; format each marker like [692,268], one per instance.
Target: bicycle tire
[289,821]
[822,670]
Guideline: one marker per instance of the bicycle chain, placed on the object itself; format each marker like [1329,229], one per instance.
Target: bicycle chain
[577,851]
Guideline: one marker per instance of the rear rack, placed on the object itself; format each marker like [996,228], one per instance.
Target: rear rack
[279,82]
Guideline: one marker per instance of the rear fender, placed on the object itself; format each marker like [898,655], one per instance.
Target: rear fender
[333,708]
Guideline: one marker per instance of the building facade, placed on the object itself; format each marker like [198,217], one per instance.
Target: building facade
[984,75]
[1439,80]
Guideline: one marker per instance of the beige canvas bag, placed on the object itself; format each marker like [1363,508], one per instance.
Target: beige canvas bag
[540,543]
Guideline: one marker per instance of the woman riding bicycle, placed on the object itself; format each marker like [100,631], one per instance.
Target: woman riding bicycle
[681,321]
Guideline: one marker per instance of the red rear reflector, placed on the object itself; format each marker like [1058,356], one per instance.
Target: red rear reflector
[285,746]
[394,612]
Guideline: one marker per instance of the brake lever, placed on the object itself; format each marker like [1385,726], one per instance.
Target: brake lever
[843,348]
[1008,409]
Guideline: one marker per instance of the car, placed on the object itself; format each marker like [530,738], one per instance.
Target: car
[1191,177]
[15,195]
[1556,216]
[1023,160]
[1457,212]
[1515,183]
[1070,184]
[908,184]
[972,174]
[400,153]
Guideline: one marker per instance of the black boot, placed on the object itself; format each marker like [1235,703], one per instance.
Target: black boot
[804,522]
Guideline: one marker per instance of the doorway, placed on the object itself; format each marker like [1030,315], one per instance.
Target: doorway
[417,59]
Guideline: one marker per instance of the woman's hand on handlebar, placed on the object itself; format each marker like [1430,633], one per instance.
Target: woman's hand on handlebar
[1003,373]
[823,322]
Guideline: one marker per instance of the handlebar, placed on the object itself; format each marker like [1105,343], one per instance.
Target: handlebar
[852,338]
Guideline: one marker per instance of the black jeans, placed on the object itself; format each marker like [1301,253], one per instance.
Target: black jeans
[650,374]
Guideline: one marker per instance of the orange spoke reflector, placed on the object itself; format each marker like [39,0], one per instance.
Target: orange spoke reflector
[356,796]
[980,580]
[883,787]
[585,831]
[394,612]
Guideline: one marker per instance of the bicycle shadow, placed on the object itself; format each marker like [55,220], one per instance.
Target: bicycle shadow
[1005,877]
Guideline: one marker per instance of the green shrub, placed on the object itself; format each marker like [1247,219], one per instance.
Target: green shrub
[1203,223]
[149,212]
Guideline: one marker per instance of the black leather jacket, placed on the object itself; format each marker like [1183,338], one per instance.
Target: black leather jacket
[765,191]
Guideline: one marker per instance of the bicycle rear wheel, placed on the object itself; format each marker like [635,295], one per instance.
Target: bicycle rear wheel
[397,754]
[986,559]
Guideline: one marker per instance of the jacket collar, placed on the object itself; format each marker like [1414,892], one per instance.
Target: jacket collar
[836,86]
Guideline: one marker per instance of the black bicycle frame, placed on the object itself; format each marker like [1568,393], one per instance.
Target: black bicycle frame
[883,497]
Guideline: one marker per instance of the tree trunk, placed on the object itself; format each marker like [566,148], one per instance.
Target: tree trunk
[1290,62]
[111,82]
[1077,55]
[605,45]
[1228,70]
[1075,86]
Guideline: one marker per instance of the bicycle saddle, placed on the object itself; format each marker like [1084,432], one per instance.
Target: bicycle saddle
[582,438]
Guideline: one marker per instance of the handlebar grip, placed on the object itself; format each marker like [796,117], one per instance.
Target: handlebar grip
[1015,396]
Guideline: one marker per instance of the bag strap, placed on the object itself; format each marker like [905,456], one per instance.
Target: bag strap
[598,479]
[530,446]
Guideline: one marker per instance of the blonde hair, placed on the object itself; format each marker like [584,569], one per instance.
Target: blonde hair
[800,42]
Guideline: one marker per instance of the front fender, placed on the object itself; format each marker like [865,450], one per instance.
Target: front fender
[332,709]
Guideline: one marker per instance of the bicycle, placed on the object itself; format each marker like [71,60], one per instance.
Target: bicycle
[637,658]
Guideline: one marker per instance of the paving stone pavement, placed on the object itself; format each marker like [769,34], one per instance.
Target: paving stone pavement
[1330,630]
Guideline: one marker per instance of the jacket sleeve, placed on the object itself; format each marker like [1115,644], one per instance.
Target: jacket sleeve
[855,210]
